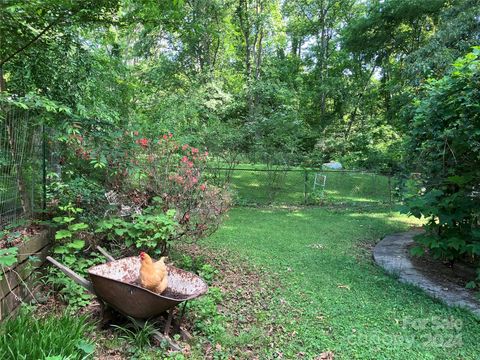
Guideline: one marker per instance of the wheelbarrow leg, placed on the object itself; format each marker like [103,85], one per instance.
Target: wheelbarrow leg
[184,333]
[169,322]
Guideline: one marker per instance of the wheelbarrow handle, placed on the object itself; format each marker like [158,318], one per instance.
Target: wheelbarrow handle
[105,253]
[80,280]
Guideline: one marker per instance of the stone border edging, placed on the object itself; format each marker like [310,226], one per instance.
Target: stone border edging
[391,253]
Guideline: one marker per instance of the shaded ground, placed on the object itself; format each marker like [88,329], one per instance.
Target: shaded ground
[338,299]
[393,254]
[458,273]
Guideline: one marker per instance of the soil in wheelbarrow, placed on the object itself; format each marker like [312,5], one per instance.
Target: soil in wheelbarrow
[171,293]
[182,285]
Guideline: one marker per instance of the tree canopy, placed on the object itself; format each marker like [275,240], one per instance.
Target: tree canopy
[297,82]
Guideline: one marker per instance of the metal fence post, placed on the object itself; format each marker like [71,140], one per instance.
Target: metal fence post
[305,182]
[390,188]
[44,168]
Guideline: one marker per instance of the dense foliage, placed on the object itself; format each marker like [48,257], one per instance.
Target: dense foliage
[280,82]
[446,143]
[133,94]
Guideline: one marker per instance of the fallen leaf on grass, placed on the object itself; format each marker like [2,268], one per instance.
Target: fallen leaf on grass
[328,355]
[344,287]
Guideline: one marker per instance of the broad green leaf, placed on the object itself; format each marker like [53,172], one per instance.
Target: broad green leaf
[120,232]
[8,256]
[62,234]
[77,244]
[417,251]
[60,250]
[87,348]
[78,226]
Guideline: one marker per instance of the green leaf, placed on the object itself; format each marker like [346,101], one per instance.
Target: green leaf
[62,234]
[60,250]
[471,285]
[77,244]
[87,348]
[417,251]
[120,232]
[8,256]
[77,227]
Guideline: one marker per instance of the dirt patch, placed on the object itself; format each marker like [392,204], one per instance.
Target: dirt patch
[445,273]
[248,295]
[17,236]
[392,253]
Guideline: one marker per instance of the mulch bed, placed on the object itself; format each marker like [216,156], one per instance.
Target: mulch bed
[17,236]
[445,273]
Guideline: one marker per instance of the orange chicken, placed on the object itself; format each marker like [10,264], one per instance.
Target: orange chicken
[153,275]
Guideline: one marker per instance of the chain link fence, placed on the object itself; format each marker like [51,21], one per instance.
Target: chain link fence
[262,186]
[22,166]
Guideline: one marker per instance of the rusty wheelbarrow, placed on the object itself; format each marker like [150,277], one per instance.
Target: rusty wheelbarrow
[115,283]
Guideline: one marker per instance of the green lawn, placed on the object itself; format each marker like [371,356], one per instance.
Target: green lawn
[333,297]
[254,186]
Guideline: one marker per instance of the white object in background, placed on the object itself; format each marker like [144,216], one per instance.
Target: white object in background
[333,165]
[320,181]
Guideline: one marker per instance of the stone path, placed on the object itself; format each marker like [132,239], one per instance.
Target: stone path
[391,253]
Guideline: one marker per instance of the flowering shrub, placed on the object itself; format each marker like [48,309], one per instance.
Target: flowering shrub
[162,172]
[173,176]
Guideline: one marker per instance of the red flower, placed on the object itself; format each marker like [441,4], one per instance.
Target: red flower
[165,137]
[194,151]
[206,153]
[143,142]
[185,159]
[194,180]
[170,135]
[185,147]
[203,187]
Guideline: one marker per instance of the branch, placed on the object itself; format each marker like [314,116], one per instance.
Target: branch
[31,42]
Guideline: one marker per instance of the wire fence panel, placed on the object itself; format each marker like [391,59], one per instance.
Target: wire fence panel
[21,167]
[305,186]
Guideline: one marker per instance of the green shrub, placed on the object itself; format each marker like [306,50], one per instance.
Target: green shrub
[69,246]
[445,144]
[29,337]
[151,230]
